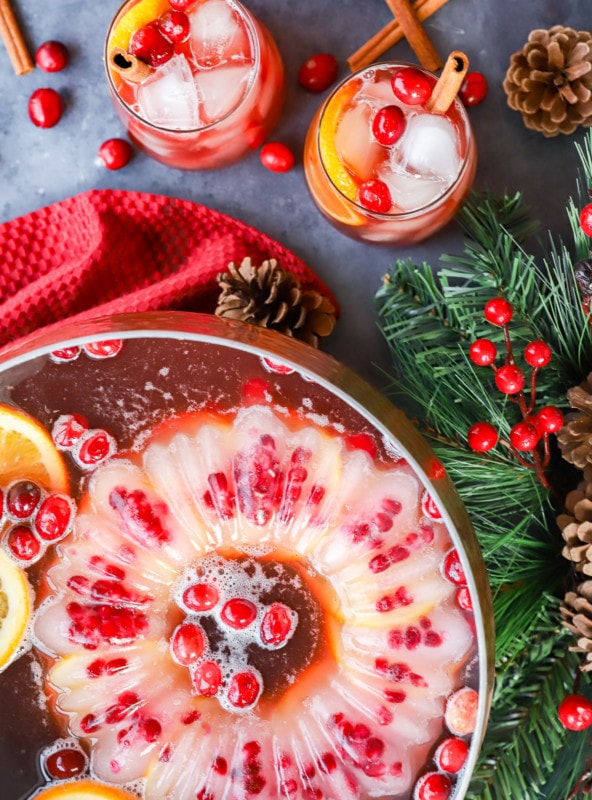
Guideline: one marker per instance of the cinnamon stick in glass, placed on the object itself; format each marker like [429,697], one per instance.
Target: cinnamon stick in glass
[131,69]
[449,83]
[13,39]
[414,32]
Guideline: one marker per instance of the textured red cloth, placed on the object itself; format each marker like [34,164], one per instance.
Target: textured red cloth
[108,252]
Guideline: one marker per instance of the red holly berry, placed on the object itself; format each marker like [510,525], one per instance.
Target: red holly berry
[175,26]
[277,157]
[375,196]
[509,379]
[586,219]
[575,712]
[45,108]
[498,311]
[52,56]
[549,419]
[318,72]
[483,352]
[115,153]
[481,437]
[149,45]
[411,86]
[473,89]
[388,125]
[524,436]
[537,354]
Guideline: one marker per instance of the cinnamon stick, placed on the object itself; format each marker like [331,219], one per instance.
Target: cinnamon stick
[414,32]
[14,41]
[448,84]
[390,35]
[131,68]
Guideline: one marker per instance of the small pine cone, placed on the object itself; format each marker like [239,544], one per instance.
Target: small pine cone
[575,437]
[576,613]
[273,298]
[576,528]
[549,81]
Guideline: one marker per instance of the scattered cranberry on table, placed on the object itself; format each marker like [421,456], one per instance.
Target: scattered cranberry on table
[115,153]
[318,72]
[473,89]
[52,56]
[277,157]
[45,108]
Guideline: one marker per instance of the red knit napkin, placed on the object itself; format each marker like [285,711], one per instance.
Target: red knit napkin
[108,252]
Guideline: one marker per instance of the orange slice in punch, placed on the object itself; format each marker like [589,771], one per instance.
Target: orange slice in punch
[331,118]
[139,15]
[83,790]
[15,609]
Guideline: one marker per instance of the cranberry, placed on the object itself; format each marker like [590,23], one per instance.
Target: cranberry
[53,518]
[509,379]
[200,597]
[52,56]
[238,613]
[277,157]
[452,754]
[65,354]
[45,108]
[388,125]
[93,447]
[105,348]
[175,26]
[453,570]
[23,544]
[318,72]
[575,712]
[482,352]
[481,437]
[188,643]
[244,689]
[22,499]
[411,86]
[149,44]
[64,764]
[586,219]
[463,599]
[524,436]
[537,354]
[115,153]
[473,89]
[206,678]
[67,429]
[498,311]
[549,419]
[182,5]
[433,786]
[277,625]
[375,196]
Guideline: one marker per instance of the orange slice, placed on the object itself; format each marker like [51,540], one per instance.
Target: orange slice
[15,608]
[139,15]
[27,452]
[332,114]
[83,790]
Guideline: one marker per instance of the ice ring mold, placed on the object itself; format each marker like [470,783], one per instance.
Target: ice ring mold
[269,587]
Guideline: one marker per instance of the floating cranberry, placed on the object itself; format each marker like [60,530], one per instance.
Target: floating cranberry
[105,348]
[433,786]
[318,72]
[23,544]
[463,599]
[244,689]
[549,419]
[67,429]
[188,644]
[498,311]
[22,499]
[388,125]
[206,678]
[452,754]
[575,712]
[586,219]
[182,5]
[64,764]
[277,157]
[375,196]
[537,354]
[411,86]
[461,711]
[482,352]
[509,379]
[115,153]
[524,436]
[238,613]
[453,569]
[473,89]
[175,26]
[277,626]
[53,518]
[201,597]
[65,354]
[482,437]
[94,447]
[52,56]
[45,108]
[149,45]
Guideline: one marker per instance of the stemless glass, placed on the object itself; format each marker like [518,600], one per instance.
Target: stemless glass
[427,172]
[214,97]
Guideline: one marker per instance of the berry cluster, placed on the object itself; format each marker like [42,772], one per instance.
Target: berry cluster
[34,519]
[88,446]
[536,424]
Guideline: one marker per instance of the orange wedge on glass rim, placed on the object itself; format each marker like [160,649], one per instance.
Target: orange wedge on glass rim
[336,170]
[139,15]
[83,790]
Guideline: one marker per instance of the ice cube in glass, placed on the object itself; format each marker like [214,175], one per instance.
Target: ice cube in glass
[169,97]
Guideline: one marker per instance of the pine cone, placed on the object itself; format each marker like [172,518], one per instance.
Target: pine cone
[576,613]
[549,81]
[273,298]
[575,437]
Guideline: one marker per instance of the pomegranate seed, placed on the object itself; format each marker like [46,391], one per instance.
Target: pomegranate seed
[388,125]
[150,730]
[189,717]
[400,597]
[452,754]
[45,108]
[126,702]
[277,157]
[318,72]
[394,696]
[96,668]
[22,499]
[98,564]
[537,354]
[67,429]
[473,89]
[220,765]
[188,643]
[238,613]
[575,712]
[452,568]
[482,352]
[362,441]
[411,86]
[52,56]
[23,544]
[89,724]
[498,311]
[206,678]
[106,348]
[277,626]
[200,597]
[54,518]
[549,419]
[412,638]
[244,689]
[182,5]
[433,786]
[93,447]
[140,518]
[175,26]
[79,584]
[375,196]
[64,764]
[115,153]
[432,639]
[327,763]
[149,45]
[586,219]
[482,437]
